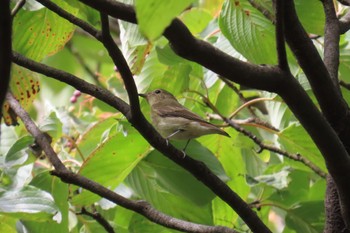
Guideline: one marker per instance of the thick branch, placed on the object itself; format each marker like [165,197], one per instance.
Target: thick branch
[328,96]
[5,49]
[67,176]
[122,65]
[255,76]
[272,79]
[331,41]
[198,169]
[280,43]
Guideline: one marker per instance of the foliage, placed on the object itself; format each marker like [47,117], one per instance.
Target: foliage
[94,140]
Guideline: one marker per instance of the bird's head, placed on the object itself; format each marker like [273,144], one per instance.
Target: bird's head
[159,96]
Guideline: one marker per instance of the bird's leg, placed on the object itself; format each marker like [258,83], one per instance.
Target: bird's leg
[188,141]
[173,134]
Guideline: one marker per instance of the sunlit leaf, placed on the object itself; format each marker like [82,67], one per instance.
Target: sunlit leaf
[111,162]
[38,34]
[16,154]
[153,16]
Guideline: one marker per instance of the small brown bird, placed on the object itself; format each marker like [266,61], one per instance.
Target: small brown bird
[174,121]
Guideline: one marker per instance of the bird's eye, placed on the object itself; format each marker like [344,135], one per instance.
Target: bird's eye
[157,91]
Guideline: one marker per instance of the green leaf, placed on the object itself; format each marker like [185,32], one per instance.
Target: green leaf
[52,125]
[38,34]
[153,16]
[313,21]
[92,137]
[308,217]
[16,154]
[139,223]
[111,162]
[134,46]
[152,182]
[196,20]
[24,86]
[278,180]
[248,31]
[59,191]
[28,203]
[296,140]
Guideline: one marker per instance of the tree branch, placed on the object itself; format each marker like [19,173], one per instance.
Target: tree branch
[332,104]
[331,41]
[67,176]
[5,49]
[122,65]
[98,218]
[17,7]
[280,43]
[268,78]
[197,168]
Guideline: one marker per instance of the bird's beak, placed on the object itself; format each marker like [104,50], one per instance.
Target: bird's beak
[143,95]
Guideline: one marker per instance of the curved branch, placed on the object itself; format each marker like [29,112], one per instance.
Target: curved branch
[280,42]
[332,104]
[67,176]
[197,168]
[122,65]
[255,76]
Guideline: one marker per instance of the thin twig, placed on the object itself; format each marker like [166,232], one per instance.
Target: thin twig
[344,84]
[17,7]
[99,218]
[249,103]
[263,146]
[280,40]
[240,95]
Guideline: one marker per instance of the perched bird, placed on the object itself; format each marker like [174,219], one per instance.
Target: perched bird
[174,121]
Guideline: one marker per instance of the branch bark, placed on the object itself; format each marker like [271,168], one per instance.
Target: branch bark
[67,176]
[197,168]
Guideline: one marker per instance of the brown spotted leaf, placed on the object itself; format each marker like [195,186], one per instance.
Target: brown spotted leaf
[24,86]
[37,34]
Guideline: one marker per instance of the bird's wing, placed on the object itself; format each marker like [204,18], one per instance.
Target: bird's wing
[178,111]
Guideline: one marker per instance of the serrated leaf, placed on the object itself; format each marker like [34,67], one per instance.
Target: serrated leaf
[28,203]
[134,46]
[248,31]
[153,16]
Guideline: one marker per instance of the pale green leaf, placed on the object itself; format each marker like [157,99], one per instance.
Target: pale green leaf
[28,203]
[153,16]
